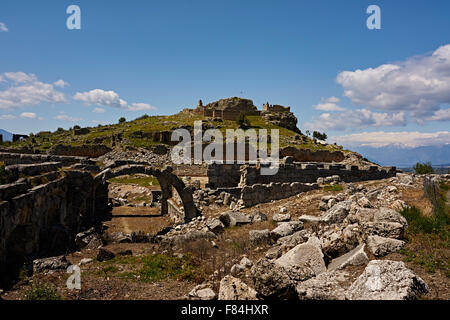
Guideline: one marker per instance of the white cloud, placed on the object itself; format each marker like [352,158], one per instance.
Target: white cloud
[64,117]
[351,119]
[98,110]
[7,117]
[419,85]
[440,115]
[329,104]
[27,90]
[401,139]
[3,27]
[101,97]
[61,83]
[30,115]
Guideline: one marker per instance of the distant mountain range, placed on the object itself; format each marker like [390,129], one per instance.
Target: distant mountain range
[406,157]
[7,136]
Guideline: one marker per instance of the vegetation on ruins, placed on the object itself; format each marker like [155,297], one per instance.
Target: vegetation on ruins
[42,291]
[5,175]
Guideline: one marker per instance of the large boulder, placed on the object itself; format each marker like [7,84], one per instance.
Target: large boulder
[381,246]
[337,213]
[259,237]
[303,261]
[50,264]
[387,280]
[215,225]
[271,281]
[232,288]
[88,239]
[202,292]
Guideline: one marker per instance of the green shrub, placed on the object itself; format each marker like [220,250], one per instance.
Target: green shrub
[336,187]
[423,168]
[41,291]
[122,120]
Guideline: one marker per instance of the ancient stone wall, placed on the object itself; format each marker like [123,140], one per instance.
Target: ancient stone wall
[10,158]
[43,220]
[262,193]
[87,150]
[225,176]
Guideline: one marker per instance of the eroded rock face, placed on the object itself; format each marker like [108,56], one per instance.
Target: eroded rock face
[355,257]
[271,281]
[381,246]
[326,286]
[303,261]
[387,280]
[232,288]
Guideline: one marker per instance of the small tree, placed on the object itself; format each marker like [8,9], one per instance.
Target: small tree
[320,136]
[423,168]
[122,120]
[76,127]
[242,121]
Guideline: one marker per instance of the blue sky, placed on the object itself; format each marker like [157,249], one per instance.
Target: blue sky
[157,57]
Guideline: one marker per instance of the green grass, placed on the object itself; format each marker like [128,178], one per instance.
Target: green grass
[143,181]
[154,268]
[41,291]
[335,188]
[428,236]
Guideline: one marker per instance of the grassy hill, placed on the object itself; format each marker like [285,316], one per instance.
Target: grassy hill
[146,124]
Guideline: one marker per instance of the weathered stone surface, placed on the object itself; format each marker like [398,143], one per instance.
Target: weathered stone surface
[384,229]
[304,261]
[88,239]
[231,219]
[259,217]
[258,237]
[274,253]
[237,269]
[355,257]
[387,280]
[202,292]
[215,225]
[337,213]
[381,246]
[49,264]
[234,289]
[271,281]
[294,239]
[326,286]
[281,217]
[285,229]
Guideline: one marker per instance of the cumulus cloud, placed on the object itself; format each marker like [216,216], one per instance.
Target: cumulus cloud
[110,98]
[60,83]
[3,27]
[419,85]
[401,139]
[26,90]
[64,117]
[30,115]
[355,119]
[330,104]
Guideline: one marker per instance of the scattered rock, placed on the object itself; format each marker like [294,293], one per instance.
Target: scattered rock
[271,281]
[234,289]
[231,219]
[259,237]
[104,255]
[326,286]
[215,225]
[202,292]
[279,217]
[285,229]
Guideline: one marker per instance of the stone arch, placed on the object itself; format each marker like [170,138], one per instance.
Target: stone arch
[166,179]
